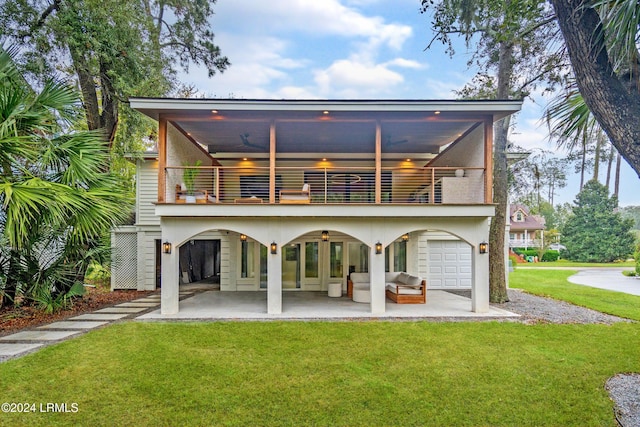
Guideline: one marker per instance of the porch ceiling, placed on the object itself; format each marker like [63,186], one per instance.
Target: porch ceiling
[324,135]
[349,127]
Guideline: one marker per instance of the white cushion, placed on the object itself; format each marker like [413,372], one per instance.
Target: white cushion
[413,280]
[402,290]
[360,278]
[305,187]
[391,276]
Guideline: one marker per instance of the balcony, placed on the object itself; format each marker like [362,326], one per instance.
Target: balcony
[326,185]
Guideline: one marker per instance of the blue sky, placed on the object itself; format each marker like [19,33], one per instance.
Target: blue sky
[352,49]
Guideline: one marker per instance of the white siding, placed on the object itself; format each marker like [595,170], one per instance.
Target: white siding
[147,192]
[147,258]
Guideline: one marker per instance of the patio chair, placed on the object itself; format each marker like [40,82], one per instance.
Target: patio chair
[296,196]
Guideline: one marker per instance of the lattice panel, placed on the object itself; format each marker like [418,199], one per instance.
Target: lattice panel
[124,263]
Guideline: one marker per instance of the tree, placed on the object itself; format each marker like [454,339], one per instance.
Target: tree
[57,202]
[601,39]
[513,39]
[595,232]
[114,49]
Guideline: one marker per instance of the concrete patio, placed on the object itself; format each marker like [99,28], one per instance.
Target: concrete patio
[216,305]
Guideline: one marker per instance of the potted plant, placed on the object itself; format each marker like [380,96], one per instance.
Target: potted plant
[189,178]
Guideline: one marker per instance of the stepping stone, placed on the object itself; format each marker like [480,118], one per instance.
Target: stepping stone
[121,310]
[13,349]
[100,316]
[39,335]
[147,300]
[73,325]
[138,304]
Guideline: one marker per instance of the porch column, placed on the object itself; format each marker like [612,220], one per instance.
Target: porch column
[274,281]
[480,284]
[169,292]
[376,276]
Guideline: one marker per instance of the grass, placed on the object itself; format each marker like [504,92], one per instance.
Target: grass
[554,284]
[565,263]
[327,373]
[337,373]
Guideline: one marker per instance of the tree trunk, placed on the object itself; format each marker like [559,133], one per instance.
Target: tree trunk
[615,107]
[109,116]
[609,165]
[596,161]
[88,90]
[616,187]
[584,159]
[497,275]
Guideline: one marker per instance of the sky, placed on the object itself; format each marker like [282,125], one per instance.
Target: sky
[354,49]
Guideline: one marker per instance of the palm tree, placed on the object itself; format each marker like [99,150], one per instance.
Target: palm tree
[572,125]
[58,202]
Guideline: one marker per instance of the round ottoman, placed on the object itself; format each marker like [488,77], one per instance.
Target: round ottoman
[361,295]
[335,290]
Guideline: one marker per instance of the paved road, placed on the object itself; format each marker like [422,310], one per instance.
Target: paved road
[607,278]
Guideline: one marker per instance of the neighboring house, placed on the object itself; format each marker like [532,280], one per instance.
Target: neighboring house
[295,195]
[526,230]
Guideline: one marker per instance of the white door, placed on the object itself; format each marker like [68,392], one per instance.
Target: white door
[449,264]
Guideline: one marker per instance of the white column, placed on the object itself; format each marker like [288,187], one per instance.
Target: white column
[376,276]
[169,292]
[274,281]
[480,284]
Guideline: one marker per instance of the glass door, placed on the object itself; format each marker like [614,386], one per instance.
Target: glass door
[291,266]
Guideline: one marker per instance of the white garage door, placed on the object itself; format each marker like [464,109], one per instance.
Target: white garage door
[449,265]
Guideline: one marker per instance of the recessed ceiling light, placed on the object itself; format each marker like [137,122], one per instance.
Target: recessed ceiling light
[325,112]
[214,111]
[436,112]
[324,159]
[245,159]
[408,160]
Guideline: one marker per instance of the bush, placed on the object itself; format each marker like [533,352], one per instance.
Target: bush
[550,256]
[514,261]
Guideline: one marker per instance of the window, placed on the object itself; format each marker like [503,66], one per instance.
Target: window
[311,259]
[519,216]
[335,259]
[247,264]
[400,256]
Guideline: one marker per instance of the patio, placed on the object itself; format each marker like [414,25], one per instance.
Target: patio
[216,305]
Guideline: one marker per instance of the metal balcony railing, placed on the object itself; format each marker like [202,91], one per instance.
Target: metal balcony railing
[331,185]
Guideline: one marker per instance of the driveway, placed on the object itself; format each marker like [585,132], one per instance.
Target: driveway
[607,278]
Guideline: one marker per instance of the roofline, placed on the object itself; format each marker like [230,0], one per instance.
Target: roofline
[498,108]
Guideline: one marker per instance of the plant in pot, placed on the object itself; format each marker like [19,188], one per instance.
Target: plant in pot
[189,178]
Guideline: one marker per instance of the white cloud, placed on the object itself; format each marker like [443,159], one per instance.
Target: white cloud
[353,79]
[406,63]
[318,18]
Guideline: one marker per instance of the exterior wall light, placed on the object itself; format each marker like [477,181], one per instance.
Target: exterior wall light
[482,247]
[274,248]
[166,247]
[405,237]
[243,237]
[378,248]
[325,236]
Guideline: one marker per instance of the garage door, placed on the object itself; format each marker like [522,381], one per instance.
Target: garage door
[449,264]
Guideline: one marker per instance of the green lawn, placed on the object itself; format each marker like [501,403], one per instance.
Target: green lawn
[337,373]
[565,263]
[331,373]
[554,283]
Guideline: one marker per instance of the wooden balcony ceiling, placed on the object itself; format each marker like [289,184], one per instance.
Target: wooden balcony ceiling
[243,126]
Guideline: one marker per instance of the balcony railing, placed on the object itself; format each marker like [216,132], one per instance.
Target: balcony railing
[525,243]
[334,185]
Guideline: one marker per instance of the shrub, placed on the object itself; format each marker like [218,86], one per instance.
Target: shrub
[550,256]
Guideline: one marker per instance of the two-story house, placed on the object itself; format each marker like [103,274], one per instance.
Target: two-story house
[526,230]
[284,195]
